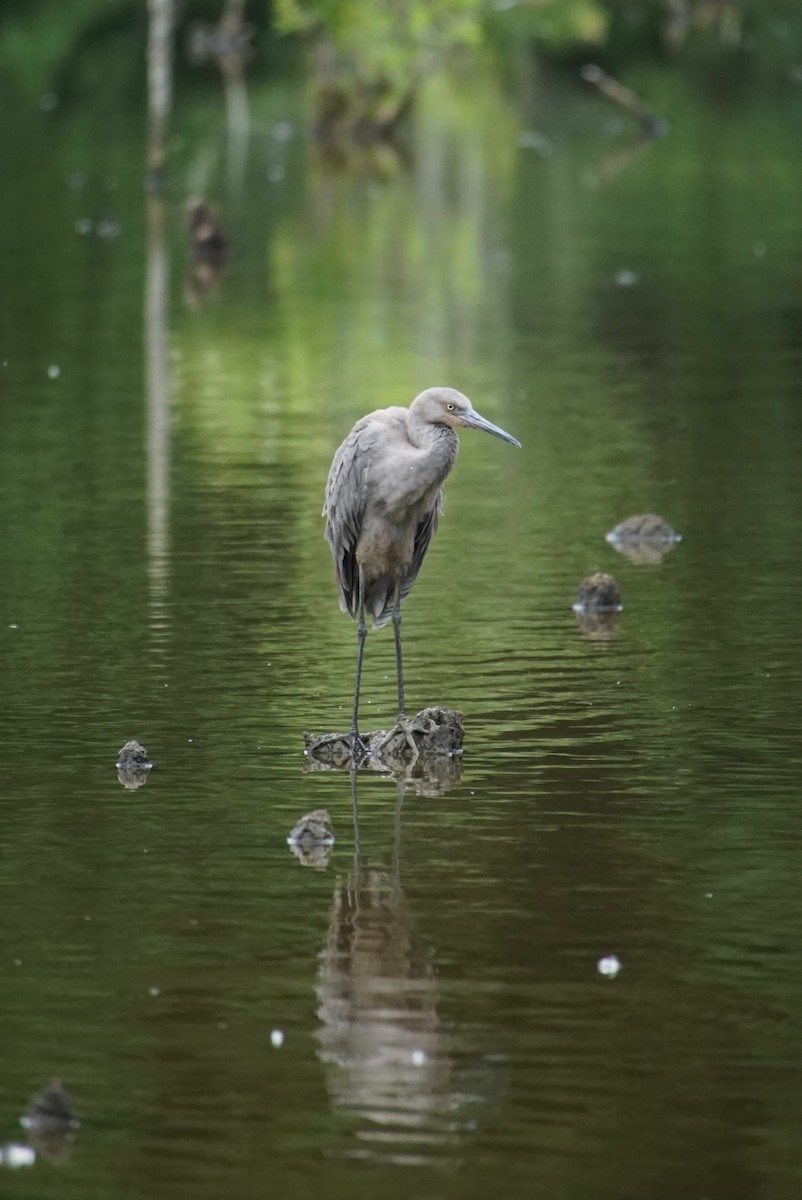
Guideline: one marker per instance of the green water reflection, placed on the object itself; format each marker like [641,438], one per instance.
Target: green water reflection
[164,577]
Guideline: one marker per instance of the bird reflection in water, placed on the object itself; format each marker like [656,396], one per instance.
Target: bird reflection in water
[387,1053]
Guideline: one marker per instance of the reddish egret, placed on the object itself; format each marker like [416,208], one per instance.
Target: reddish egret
[383,498]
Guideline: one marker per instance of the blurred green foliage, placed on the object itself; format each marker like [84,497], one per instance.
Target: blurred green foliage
[47,45]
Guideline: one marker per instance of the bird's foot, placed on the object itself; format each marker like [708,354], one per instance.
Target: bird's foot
[337,749]
[359,747]
[401,730]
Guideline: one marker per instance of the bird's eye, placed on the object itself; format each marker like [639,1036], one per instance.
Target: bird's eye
[450,407]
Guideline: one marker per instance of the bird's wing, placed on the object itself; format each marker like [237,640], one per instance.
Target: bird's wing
[344,506]
[343,509]
[423,535]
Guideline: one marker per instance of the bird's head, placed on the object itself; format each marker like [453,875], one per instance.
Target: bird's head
[445,406]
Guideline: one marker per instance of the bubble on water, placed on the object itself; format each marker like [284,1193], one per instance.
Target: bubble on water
[418,1058]
[83,226]
[16,1154]
[54,371]
[626,278]
[609,965]
[154,991]
[276,1038]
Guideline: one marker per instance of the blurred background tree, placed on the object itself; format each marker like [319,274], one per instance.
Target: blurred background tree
[382,50]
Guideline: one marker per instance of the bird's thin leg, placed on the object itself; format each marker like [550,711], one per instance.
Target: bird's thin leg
[402,724]
[361,631]
[399,667]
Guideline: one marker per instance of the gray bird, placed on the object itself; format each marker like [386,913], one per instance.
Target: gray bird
[383,498]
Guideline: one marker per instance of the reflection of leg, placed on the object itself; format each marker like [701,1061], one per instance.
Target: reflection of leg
[357,843]
[400,787]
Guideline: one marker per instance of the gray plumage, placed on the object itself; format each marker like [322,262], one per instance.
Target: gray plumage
[383,498]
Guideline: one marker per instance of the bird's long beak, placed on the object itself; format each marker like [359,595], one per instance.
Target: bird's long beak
[474,421]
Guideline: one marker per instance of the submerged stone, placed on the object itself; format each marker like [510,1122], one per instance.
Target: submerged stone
[312,838]
[133,765]
[313,828]
[644,527]
[133,754]
[598,593]
[644,538]
[51,1110]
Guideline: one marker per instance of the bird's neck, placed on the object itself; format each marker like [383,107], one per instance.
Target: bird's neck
[440,441]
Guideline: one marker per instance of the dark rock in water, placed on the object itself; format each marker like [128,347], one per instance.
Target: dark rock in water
[50,1111]
[598,593]
[435,732]
[133,755]
[645,527]
[312,854]
[315,827]
[312,839]
[644,538]
[133,765]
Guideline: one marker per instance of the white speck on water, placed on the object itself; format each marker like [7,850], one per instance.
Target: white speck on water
[283,131]
[533,139]
[626,278]
[54,371]
[108,230]
[16,1154]
[83,225]
[708,895]
[609,965]
[418,1058]
[17,962]
[154,991]
[276,1038]
[189,739]
[13,626]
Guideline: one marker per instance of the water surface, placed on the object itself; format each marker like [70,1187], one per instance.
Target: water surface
[164,577]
